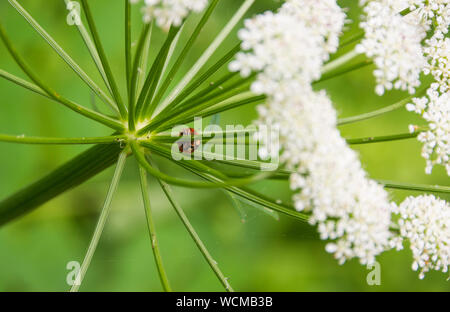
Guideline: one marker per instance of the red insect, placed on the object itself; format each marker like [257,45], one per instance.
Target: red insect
[190,144]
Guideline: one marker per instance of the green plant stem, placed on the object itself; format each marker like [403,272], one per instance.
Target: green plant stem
[352,39]
[103,58]
[345,70]
[23,83]
[61,141]
[134,76]
[189,183]
[212,175]
[379,112]
[342,60]
[101,221]
[152,230]
[128,44]
[143,64]
[233,102]
[245,98]
[415,187]
[199,103]
[150,109]
[213,85]
[191,109]
[201,246]
[386,138]
[73,173]
[92,50]
[284,173]
[209,51]
[153,76]
[63,54]
[167,105]
[110,122]
[187,47]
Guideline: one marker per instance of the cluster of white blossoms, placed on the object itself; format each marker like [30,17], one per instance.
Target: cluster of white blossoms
[425,222]
[435,109]
[280,48]
[170,12]
[347,207]
[323,17]
[288,49]
[403,47]
[394,43]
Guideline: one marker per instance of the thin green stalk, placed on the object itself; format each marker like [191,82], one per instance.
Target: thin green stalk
[352,39]
[166,105]
[164,135]
[155,72]
[386,138]
[62,54]
[334,74]
[150,109]
[142,69]
[209,52]
[23,83]
[134,76]
[71,174]
[101,222]
[192,108]
[152,230]
[212,175]
[416,187]
[187,47]
[128,44]
[103,58]
[342,60]
[379,112]
[110,122]
[197,240]
[92,50]
[231,90]
[213,86]
[189,183]
[224,135]
[244,98]
[257,165]
[21,139]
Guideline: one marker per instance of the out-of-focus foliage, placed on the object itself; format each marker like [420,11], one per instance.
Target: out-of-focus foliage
[260,254]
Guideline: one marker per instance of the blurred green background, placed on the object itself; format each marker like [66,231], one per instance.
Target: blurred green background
[259,254]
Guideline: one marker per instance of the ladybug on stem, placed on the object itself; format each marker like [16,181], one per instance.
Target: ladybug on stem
[188,145]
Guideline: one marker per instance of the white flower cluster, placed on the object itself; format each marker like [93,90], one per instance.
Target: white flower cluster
[324,18]
[425,222]
[288,49]
[170,12]
[280,49]
[435,109]
[394,43]
[434,16]
[403,47]
[348,208]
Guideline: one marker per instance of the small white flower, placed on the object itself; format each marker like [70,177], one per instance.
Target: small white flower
[425,222]
[170,12]
[394,43]
[435,109]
